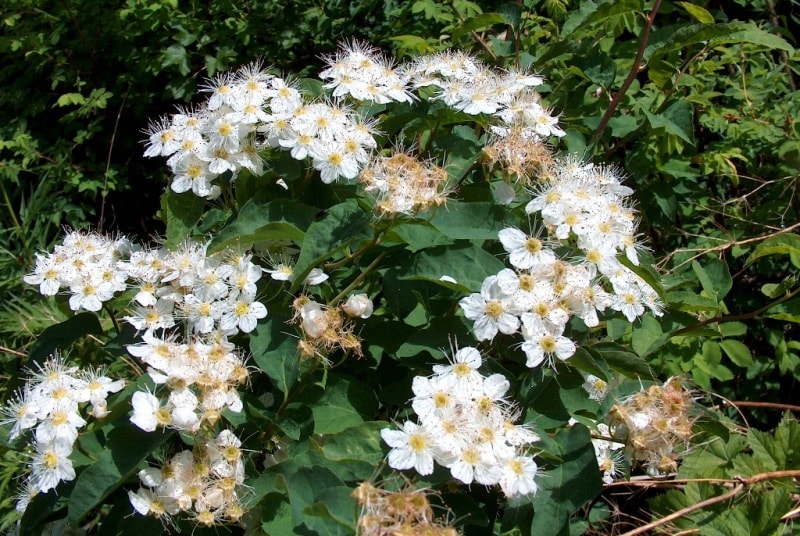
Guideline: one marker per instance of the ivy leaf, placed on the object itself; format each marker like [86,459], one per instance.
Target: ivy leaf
[275,353]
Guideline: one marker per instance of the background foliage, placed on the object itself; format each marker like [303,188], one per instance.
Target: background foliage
[706,127]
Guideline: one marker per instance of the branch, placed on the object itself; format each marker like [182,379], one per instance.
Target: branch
[767,405]
[742,483]
[637,62]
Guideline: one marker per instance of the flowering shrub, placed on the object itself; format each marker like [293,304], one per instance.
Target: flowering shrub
[385,204]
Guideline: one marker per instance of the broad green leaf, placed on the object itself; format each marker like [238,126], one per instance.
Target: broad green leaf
[471,221]
[648,336]
[568,486]
[511,13]
[276,353]
[345,402]
[737,352]
[279,220]
[434,338]
[598,67]
[343,224]
[779,451]
[465,263]
[699,13]
[180,212]
[126,448]
[304,485]
[418,235]
[358,443]
[673,123]
[621,359]
[782,244]
[333,512]
[788,311]
[62,335]
[714,277]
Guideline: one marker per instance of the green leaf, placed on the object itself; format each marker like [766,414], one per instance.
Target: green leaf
[779,451]
[570,485]
[782,244]
[471,221]
[714,35]
[180,212]
[276,353]
[465,263]
[333,512]
[63,334]
[280,219]
[126,448]
[305,485]
[359,443]
[345,402]
[621,359]
[417,235]
[714,277]
[676,119]
[478,22]
[737,352]
[595,12]
[699,13]
[343,224]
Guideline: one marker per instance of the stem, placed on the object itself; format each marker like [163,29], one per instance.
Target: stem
[363,249]
[108,163]
[113,318]
[612,106]
[767,405]
[743,316]
[741,484]
[357,281]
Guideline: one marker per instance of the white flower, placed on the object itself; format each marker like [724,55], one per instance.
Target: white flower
[51,465]
[147,411]
[244,313]
[412,447]
[526,252]
[518,477]
[490,310]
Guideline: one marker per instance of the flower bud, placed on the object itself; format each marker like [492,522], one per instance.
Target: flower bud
[358,305]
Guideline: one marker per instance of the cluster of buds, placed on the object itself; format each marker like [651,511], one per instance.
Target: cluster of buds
[206,482]
[405,512]
[402,184]
[326,329]
[51,403]
[658,421]
[201,376]
[466,425]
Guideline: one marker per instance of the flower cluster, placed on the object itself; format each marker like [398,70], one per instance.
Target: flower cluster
[87,265]
[247,111]
[360,71]
[206,481]
[51,403]
[582,205]
[211,293]
[466,425]
[466,84]
[392,513]
[201,376]
[402,184]
[659,422]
